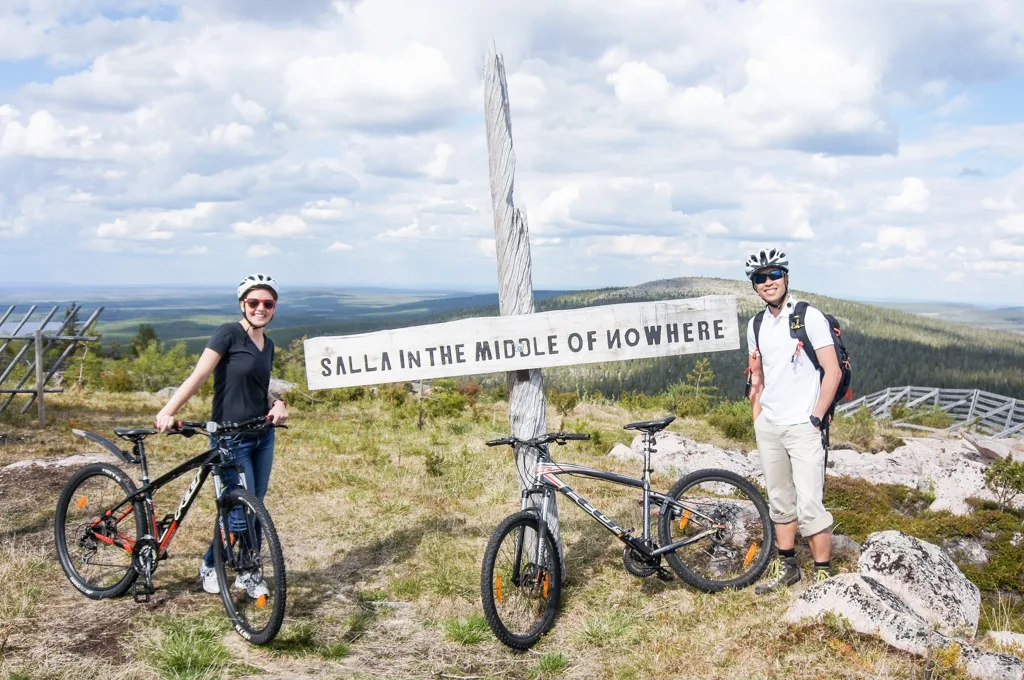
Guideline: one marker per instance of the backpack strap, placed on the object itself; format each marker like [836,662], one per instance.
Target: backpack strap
[798,329]
[758,318]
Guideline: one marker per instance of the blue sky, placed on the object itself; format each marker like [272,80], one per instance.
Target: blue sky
[342,143]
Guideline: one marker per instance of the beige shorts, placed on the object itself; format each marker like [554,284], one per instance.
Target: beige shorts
[794,472]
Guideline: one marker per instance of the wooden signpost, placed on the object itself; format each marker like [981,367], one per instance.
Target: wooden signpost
[520,342]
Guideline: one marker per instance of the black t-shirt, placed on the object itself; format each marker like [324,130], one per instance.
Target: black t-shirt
[242,376]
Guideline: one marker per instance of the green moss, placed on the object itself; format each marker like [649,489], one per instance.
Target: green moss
[863,508]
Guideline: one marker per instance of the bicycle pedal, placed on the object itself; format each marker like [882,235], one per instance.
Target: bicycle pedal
[664,574]
[141,592]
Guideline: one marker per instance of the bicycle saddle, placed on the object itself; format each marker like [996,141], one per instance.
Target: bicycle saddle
[134,433]
[650,425]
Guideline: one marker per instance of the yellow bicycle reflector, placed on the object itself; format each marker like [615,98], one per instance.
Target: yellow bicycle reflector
[684,520]
[261,601]
[750,555]
[497,588]
[82,501]
[547,584]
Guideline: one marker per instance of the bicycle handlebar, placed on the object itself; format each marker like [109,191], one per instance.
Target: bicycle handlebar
[558,437]
[188,428]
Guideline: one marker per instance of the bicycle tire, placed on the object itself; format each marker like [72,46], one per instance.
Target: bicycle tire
[527,519]
[264,634]
[61,540]
[756,567]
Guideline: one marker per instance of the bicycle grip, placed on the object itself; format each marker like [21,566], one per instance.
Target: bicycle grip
[580,436]
[502,441]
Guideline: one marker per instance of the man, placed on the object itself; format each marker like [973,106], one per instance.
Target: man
[789,399]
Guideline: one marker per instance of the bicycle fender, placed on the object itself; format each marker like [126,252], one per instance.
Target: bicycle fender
[105,443]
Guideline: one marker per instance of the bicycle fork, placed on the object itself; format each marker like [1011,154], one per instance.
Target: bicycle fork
[540,575]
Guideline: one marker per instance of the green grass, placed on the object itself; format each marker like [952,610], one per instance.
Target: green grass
[468,631]
[548,666]
[188,648]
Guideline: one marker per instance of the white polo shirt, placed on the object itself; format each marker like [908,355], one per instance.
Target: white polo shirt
[791,385]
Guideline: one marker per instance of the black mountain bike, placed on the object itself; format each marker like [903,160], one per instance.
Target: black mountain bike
[713,529]
[108,536]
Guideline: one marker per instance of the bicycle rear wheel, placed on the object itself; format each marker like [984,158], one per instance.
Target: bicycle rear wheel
[731,515]
[520,597]
[250,566]
[94,547]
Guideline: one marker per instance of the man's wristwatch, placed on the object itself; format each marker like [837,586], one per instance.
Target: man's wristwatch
[815,420]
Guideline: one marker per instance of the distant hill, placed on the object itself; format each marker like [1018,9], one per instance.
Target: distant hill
[1010,319]
[889,346]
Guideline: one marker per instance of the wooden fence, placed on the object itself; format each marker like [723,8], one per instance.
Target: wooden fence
[42,340]
[992,414]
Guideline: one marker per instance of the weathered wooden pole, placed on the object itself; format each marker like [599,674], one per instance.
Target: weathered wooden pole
[526,407]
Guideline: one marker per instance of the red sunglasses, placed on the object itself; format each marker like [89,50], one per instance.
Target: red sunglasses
[254,303]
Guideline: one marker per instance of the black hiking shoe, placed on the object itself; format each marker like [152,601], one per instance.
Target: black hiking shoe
[782,572]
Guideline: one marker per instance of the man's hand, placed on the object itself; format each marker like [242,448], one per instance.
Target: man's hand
[278,413]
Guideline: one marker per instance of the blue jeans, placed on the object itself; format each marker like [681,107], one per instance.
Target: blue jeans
[255,455]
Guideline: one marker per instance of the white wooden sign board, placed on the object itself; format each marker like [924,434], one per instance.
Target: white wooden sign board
[636,330]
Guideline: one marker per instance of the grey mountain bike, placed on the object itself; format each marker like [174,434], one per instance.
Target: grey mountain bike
[713,530]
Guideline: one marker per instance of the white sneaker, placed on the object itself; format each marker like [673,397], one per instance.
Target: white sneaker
[254,588]
[208,577]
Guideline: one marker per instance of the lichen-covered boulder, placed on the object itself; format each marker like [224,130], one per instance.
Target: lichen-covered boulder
[923,577]
[872,609]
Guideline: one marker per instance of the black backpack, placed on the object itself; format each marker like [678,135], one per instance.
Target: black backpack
[798,330]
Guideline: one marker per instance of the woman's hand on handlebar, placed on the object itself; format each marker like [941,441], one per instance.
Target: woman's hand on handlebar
[279,413]
[165,422]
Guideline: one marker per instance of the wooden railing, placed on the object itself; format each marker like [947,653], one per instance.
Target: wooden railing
[993,414]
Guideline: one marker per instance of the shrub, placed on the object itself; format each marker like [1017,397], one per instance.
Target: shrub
[686,401]
[931,416]
[118,379]
[635,401]
[471,391]
[734,420]
[858,429]
[154,368]
[444,404]
[394,395]
[564,402]
[1005,479]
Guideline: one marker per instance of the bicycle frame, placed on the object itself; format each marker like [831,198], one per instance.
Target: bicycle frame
[547,480]
[207,462]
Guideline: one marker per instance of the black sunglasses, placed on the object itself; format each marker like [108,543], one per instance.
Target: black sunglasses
[254,303]
[774,275]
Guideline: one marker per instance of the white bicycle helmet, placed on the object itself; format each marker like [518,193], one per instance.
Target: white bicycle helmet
[766,257]
[257,281]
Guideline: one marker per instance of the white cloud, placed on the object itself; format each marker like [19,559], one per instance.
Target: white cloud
[230,134]
[259,250]
[362,89]
[911,240]
[438,165]
[45,137]
[251,112]
[1012,224]
[282,226]
[160,225]
[331,209]
[486,247]
[913,198]
[338,247]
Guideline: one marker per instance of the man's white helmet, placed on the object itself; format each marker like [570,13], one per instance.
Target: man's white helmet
[766,257]
[256,281]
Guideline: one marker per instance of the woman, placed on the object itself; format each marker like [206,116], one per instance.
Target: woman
[240,357]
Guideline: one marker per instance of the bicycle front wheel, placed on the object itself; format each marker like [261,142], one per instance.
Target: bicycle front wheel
[94,545]
[250,566]
[520,595]
[726,518]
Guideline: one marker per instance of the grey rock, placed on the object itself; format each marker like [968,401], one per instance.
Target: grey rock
[844,547]
[993,449]
[950,469]
[1005,637]
[677,455]
[278,387]
[167,392]
[969,550]
[924,578]
[70,461]
[872,609]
